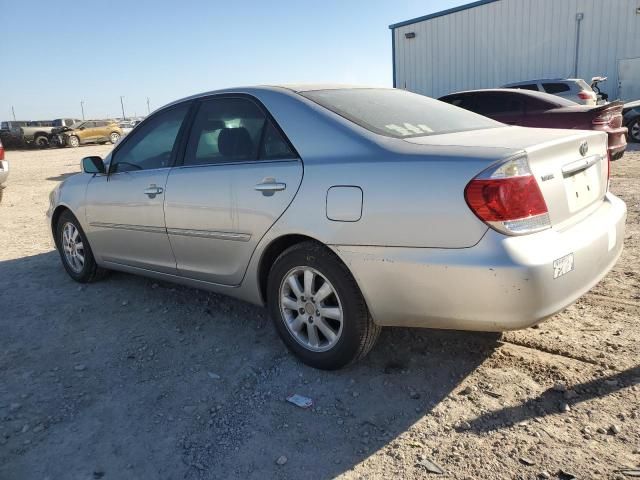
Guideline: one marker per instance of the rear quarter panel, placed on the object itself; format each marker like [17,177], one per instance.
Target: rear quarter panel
[411,200]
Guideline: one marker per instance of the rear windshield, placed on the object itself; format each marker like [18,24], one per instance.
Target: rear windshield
[398,113]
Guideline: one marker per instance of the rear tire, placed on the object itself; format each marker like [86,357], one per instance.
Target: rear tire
[41,141]
[114,137]
[75,251]
[331,292]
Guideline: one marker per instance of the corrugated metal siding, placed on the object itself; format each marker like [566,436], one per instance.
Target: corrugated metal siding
[513,40]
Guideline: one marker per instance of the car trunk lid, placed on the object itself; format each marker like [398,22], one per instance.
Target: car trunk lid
[570,166]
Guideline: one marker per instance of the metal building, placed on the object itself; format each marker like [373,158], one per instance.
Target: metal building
[489,43]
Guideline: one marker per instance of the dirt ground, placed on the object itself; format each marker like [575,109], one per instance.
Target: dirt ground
[130,378]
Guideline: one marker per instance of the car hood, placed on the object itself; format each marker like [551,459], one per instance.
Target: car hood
[507,137]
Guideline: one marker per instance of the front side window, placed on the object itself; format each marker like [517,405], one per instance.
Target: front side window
[152,145]
[398,113]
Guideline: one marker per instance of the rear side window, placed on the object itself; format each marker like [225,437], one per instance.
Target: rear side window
[274,145]
[233,130]
[554,88]
[533,104]
[398,113]
[462,101]
[499,104]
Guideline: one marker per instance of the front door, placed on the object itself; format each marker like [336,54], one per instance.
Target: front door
[125,208]
[238,176]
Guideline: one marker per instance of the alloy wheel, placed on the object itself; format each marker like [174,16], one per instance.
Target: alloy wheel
[73,247]
[114,137]
[311,309]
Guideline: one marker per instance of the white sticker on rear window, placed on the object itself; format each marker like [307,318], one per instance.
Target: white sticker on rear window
[562,265]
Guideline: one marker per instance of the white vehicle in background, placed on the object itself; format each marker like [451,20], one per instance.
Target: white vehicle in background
[4,170]
[574,89]
[127,126]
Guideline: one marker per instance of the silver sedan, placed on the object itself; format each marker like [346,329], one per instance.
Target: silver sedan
[347,209]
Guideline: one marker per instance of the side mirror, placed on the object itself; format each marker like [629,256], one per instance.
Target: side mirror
[93,165]
[81,128]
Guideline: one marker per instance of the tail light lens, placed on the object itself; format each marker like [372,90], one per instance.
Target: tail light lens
[584,95]
[1,151]
[508,199]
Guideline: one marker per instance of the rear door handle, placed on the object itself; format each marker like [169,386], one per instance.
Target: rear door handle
[269,186]
[152,190]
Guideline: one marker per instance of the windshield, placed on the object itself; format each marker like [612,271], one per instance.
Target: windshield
[398,113]
[77,125]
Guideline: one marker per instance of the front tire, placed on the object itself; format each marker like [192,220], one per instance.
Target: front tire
[114,137]
[75,251]
[73,141]
[317,307]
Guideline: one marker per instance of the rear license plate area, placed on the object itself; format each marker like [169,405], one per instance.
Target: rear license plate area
[562,265]
[582,188]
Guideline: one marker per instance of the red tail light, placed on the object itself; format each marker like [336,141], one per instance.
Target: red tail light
[1,151]
[508,198]
[584,95]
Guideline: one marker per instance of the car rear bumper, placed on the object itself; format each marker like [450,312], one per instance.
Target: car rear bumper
[617,142]
[502,283]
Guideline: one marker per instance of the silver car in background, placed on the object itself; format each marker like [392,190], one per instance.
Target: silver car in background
[574,89]
[348,209]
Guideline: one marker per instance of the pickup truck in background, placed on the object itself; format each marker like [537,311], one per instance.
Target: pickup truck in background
[38,133]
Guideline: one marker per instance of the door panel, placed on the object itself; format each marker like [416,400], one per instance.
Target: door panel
[215,217]
[127,225]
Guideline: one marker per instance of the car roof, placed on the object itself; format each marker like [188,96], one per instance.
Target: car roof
[282,88]
[547,97]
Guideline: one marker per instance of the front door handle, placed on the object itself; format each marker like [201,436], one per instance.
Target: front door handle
[269,186]
[152,190]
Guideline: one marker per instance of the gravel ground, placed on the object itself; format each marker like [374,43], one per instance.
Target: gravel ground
[134,379]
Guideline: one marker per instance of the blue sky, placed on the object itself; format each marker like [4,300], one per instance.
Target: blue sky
[59,53]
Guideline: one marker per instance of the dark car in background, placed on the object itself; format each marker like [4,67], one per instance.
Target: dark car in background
[536,109]
[631,119]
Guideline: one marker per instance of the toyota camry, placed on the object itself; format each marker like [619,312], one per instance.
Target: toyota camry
[346,209]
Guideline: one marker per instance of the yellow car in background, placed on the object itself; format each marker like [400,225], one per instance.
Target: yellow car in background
[89,131]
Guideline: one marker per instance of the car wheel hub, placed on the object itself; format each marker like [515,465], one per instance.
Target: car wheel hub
[73,247]
[311,309]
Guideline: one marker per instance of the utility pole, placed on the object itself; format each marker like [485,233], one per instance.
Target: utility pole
[82,108]
[14,113]
[148,108]
[122,105]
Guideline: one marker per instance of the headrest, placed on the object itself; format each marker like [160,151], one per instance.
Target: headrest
[235,142]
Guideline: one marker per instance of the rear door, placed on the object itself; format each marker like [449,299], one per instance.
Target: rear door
[238,176]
